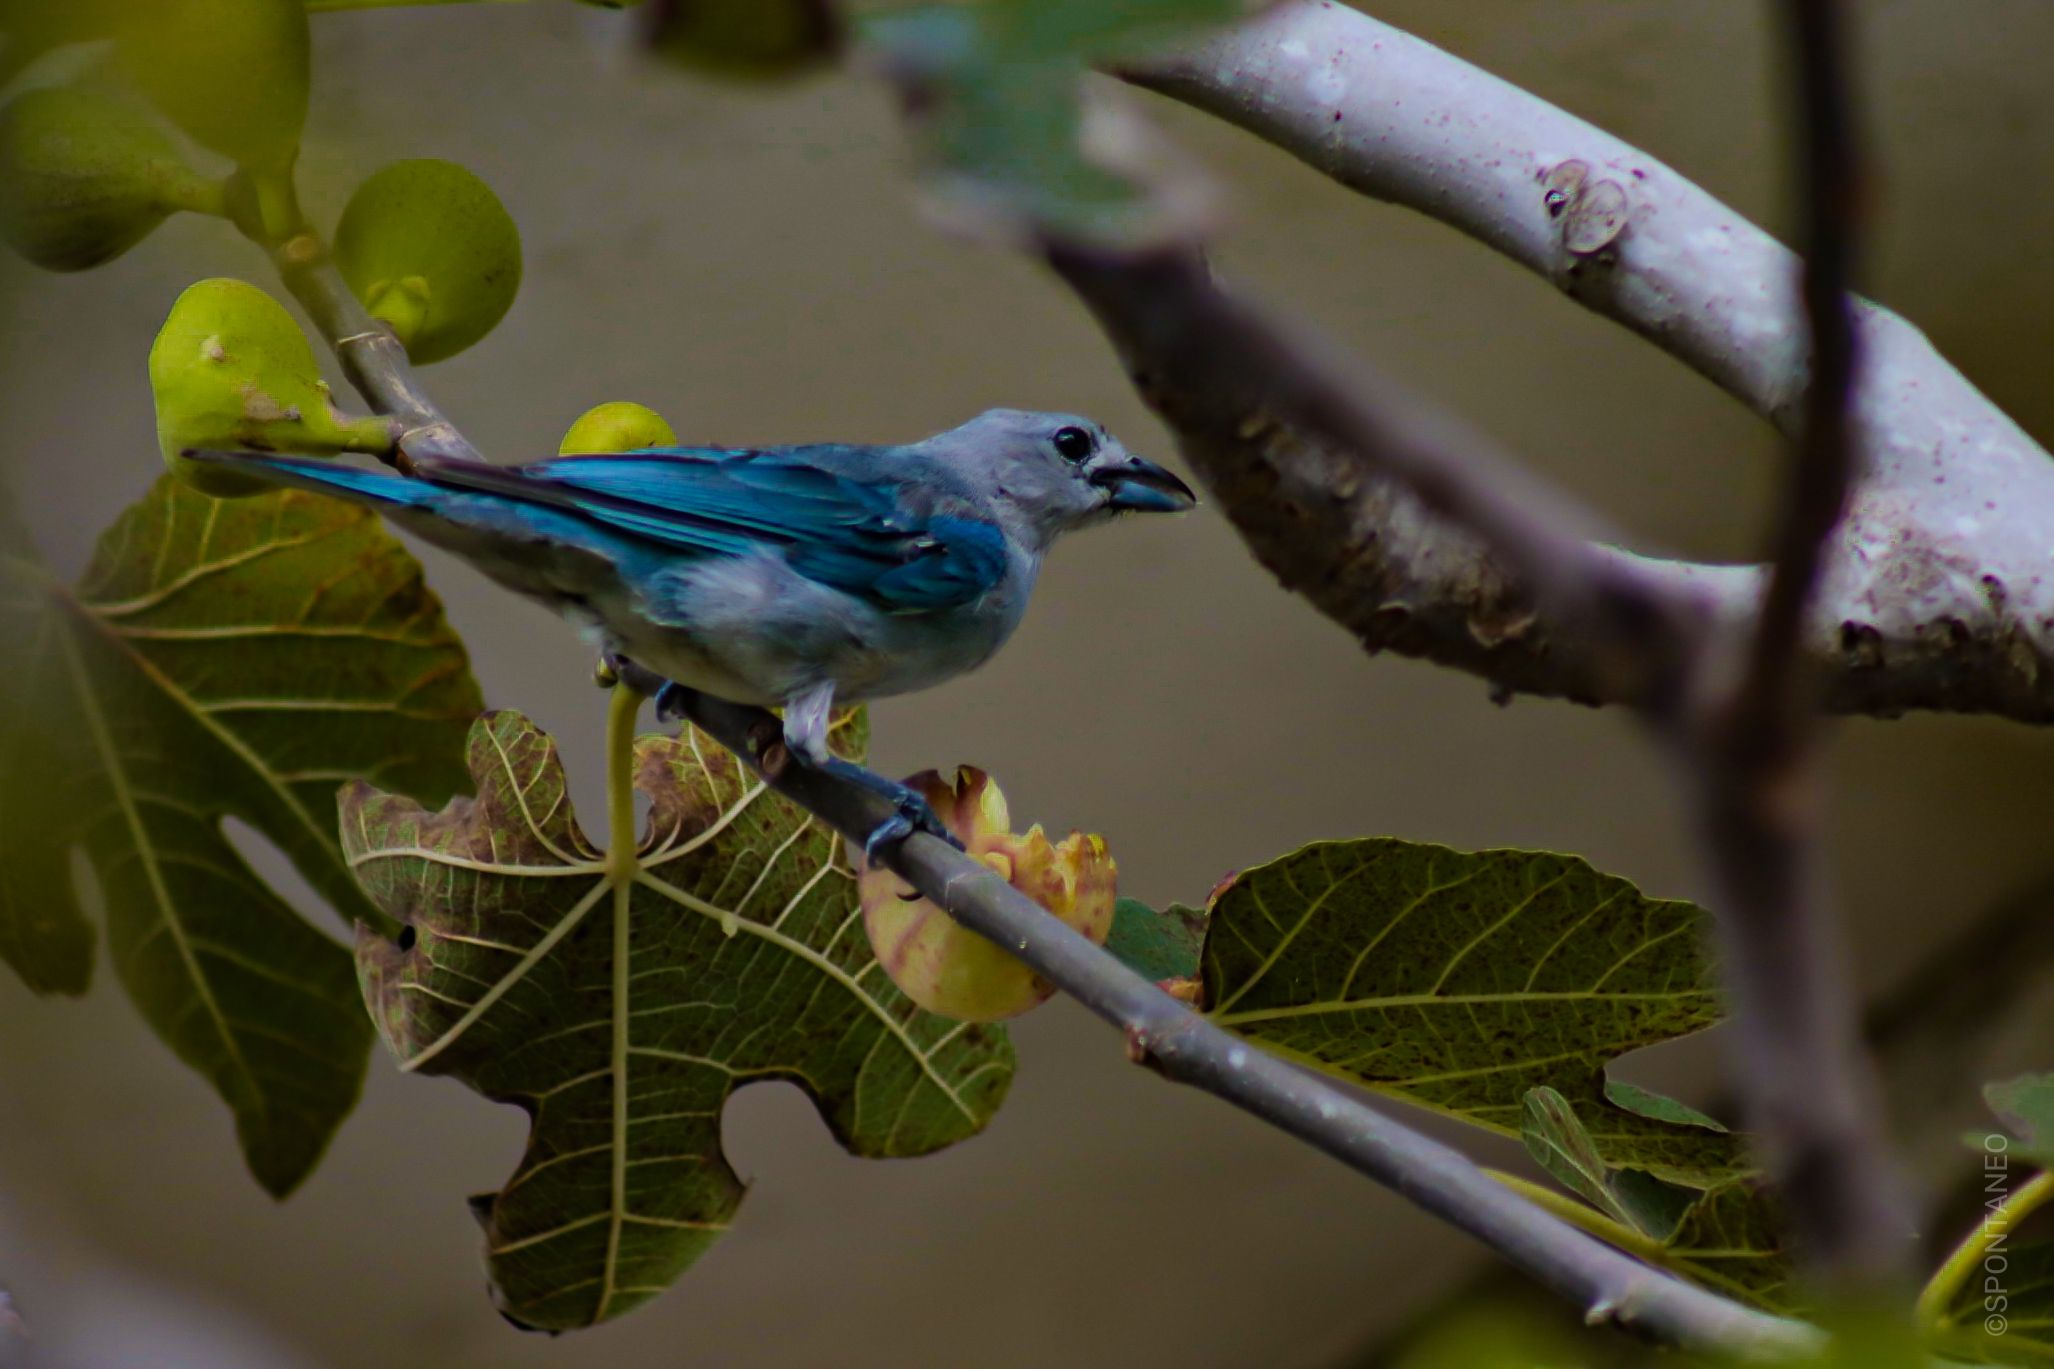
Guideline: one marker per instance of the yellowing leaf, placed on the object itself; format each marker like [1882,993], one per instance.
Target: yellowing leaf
[739,955]
[1460,980]
[219,659]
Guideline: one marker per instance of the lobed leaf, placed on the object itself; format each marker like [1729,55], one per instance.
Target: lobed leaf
[621,1025]
[1461,980]
[219,659]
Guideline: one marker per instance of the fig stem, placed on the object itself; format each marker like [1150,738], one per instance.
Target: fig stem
[180,187]
[372,356]
[401,305]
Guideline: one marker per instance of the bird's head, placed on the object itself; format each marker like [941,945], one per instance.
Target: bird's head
[1058,471]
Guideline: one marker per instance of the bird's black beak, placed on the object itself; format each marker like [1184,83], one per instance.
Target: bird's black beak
[1139,486]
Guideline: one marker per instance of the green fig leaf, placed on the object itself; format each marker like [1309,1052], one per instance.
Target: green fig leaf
[1728,1237]
[43,934]
[1556,1140]
[621,1026]
[1160,945]
[1001,124]
[1732,1241]
[221,660]
[1648,1103]
[2026,1107]
[1461,980]
[2011,1322]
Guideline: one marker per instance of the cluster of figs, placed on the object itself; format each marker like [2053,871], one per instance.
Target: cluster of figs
[89,167]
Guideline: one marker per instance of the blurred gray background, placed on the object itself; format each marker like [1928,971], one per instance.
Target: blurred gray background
[749,263]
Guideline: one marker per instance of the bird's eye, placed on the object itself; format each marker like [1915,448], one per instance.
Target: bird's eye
[1072,444]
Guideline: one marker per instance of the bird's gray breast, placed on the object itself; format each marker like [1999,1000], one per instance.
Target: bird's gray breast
[753,629]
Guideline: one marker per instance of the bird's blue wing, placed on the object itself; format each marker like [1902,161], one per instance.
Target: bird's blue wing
[837,531]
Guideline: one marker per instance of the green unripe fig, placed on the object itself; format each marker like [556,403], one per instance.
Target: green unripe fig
[84,177]
[231,369]
[618,426]
[750,39]
[429,248]
[231,73]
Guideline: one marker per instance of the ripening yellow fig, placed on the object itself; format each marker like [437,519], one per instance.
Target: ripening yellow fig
[429,248]
[85,176]
[231,369]
[231,73]
[948,969]
[618,426]
[751,39]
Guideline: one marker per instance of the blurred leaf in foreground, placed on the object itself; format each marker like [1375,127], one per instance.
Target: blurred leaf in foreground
[2026,1107]
[218,660]
[1008,139]
[621,1028]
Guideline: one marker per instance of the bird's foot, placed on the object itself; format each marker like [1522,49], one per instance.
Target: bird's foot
[910,812]
[671,702]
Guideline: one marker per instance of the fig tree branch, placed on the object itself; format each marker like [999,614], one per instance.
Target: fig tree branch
[372,356]
[1608,1285]
[1353,493]
[1180,1044]
[1932,593]
[1256,408]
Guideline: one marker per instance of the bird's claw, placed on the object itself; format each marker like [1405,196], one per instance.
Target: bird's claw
[910,813]
[670,702]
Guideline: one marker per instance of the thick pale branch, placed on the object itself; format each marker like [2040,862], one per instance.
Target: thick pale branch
[1934,592]
[1378,509]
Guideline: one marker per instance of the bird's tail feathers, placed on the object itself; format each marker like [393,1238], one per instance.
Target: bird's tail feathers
[325,477]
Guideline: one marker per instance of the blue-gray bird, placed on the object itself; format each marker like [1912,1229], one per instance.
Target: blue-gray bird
[781,576]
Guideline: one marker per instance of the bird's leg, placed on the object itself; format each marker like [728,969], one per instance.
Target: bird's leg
[805,737]
[910,812]
[805,741]
[615,668]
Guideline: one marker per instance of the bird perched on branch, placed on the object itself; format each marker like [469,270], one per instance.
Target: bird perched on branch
[782,576]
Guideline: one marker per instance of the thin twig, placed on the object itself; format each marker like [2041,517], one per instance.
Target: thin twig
[1806,1083]
[372,356]
[1183,1046]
